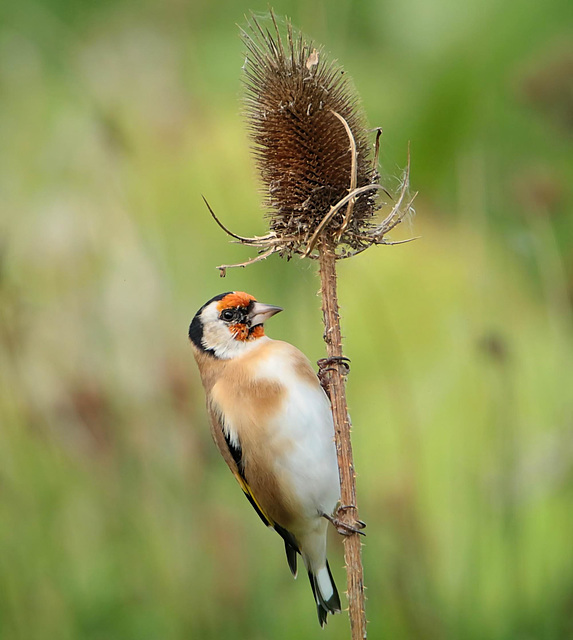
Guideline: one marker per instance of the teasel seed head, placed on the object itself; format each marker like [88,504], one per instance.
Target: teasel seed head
[317,165]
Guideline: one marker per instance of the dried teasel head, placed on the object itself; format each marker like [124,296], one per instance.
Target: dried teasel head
[312,149]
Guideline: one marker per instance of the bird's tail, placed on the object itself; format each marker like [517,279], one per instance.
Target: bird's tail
[325,592]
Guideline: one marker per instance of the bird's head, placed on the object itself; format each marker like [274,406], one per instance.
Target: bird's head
[230,324]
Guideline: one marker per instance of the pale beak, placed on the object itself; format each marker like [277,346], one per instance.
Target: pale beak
[260,312]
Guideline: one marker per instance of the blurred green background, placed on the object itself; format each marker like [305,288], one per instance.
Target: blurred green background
[118,519]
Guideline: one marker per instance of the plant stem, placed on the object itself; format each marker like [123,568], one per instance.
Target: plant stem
[337,390]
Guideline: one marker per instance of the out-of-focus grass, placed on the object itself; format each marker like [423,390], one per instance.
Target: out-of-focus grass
[117,517]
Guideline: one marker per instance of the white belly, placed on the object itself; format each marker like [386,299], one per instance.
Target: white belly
[305,430]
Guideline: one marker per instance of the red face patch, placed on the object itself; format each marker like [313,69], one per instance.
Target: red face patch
[241,332]
[235,299]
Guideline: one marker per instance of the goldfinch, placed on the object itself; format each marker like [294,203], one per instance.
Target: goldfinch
[272,422]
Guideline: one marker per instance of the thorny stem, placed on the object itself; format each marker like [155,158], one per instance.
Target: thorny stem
[337,392]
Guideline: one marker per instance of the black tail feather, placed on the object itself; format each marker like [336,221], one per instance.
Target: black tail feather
[291,554]
[291,547]
[324,607]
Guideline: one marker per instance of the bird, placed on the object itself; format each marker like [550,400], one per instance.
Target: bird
[272,422]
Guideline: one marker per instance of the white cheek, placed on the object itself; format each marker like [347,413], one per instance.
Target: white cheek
[217,336]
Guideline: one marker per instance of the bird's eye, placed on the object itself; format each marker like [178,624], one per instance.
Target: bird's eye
[227,315]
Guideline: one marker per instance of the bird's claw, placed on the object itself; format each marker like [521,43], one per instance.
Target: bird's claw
[345,528]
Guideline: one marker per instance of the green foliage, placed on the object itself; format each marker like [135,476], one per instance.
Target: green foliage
[117,518]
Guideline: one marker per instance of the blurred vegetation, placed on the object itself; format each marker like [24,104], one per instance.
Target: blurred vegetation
[118,520]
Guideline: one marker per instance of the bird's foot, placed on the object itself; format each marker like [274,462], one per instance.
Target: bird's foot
[345,528]
[342,360]
[325,365]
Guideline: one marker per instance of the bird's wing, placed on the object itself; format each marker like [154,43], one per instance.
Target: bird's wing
[232,453]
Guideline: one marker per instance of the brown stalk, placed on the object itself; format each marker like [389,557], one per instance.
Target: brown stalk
[337,391]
